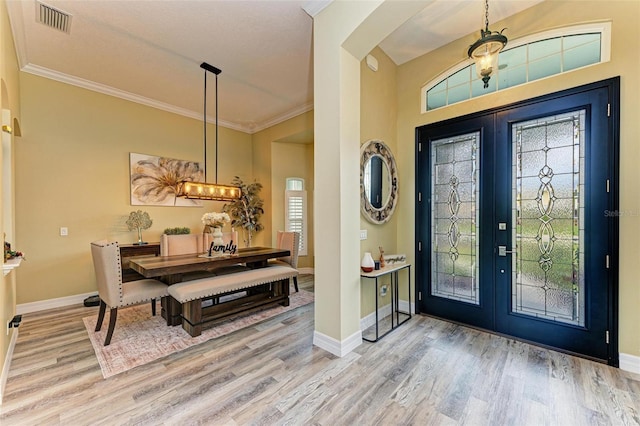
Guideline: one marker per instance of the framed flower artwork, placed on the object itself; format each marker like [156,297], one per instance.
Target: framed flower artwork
[155,180]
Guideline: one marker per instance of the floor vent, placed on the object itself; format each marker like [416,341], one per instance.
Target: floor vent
[53,18]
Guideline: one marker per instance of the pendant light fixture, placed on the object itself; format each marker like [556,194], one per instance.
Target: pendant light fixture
[486,49]
[204,190]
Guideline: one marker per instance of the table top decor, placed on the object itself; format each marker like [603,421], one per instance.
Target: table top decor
[215,219]
[139,220]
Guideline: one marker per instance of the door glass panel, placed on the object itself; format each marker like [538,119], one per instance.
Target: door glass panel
[548,194]
[454,191]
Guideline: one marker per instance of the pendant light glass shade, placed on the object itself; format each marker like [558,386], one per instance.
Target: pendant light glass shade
[205,190]
[486,49]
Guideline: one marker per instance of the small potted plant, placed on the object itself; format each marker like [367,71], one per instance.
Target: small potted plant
[139,220]
[177,231]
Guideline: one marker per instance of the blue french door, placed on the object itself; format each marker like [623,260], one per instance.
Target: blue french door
[513,230]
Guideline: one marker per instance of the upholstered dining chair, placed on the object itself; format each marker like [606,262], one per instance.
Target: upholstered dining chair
[171,245]
[111,290]
[289,241]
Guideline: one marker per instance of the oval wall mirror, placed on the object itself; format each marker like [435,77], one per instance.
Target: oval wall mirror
[378,181]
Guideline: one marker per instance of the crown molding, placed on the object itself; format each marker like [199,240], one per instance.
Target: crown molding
[283,117]
[132,97]
[106,90]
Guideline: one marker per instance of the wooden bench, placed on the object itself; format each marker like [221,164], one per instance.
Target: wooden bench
[201,300]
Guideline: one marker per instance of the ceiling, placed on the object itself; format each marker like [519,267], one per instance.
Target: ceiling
[150,51]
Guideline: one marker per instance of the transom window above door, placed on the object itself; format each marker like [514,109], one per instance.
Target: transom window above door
[526,59]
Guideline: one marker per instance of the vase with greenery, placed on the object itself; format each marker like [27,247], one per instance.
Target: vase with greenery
[215,221]
[139,220]
[247,210]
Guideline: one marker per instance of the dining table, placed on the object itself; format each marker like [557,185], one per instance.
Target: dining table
[172,269]
[178,268]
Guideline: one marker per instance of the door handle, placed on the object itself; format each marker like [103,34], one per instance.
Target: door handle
[502,251]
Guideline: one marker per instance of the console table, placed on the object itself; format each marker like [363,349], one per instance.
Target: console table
[128,251]
[396,313]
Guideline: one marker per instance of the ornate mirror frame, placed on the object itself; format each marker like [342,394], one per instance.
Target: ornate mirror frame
[371,213]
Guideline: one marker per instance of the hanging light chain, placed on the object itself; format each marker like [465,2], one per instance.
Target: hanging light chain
[486,15]
[205,125]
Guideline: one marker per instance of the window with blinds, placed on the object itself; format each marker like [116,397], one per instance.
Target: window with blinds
[296,211]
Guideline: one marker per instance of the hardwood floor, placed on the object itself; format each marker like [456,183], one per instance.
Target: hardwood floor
[427,371]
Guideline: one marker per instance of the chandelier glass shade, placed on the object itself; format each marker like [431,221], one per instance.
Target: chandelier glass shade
[205,190]
[486,49]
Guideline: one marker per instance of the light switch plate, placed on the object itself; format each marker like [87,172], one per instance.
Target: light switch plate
[64,231]
[363,234]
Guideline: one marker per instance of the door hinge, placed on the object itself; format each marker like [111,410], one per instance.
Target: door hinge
[608,186]
[420,296]
[419,146]
[606,261]
[606,336]
[608,110]
[419,245]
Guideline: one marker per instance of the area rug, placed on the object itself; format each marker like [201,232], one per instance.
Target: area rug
[140,338]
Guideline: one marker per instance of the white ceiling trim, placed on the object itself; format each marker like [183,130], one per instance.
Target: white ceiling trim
[107,90]
[132,97]
[284,117]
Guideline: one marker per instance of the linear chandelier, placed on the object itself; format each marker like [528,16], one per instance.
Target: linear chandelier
[486,49]
[204,190]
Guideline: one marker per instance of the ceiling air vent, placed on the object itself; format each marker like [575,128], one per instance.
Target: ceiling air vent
[53,18]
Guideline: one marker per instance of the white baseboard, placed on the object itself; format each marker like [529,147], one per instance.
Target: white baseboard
[384,311]
[630,363]
[336,347]
[370,319]
[7,363]
[340,349]
[59,302]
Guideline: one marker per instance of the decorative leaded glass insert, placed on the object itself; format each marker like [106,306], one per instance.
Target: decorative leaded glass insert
[454,218]
[548,212]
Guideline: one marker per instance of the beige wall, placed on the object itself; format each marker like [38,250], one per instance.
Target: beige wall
[272,162]
[378,109]
[625,16]
[292,159]
[73,171]
[9,100]
[336,88]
